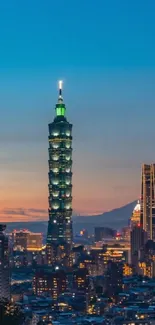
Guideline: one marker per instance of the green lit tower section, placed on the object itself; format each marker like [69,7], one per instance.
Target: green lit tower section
[59,236]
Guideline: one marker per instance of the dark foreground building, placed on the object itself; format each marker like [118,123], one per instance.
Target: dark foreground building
[59,236]
[103,232]
[4,265]
[113,279]
[148,200]
[138,238]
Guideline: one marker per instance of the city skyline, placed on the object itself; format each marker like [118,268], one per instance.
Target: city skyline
[109,87]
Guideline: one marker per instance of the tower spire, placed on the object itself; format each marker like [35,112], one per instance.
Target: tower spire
[60,99]
[60,106]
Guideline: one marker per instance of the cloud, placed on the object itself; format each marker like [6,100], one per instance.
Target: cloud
[23,214]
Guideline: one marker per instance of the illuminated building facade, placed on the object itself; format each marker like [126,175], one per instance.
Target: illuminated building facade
[146,269]
[59,235]
[135,218]
[127,270]
[19,239]
[34,241]
[148,200]
[26,240]
[81,280]
[103,232]
[88,262]
[4,265]
[49,281]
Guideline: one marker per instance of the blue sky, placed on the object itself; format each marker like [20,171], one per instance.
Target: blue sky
[105,53]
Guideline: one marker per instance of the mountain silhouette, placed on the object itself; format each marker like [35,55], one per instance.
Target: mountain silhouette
[115,219]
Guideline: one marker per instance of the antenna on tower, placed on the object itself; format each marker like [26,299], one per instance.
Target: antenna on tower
[60,87]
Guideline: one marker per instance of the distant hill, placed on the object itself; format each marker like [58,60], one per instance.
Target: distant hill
[116,219]
[35,226]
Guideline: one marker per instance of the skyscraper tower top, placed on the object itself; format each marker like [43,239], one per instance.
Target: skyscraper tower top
[60,89]
[60,106]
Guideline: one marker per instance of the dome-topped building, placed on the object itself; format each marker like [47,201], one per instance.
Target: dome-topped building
[137,207]
[135,217]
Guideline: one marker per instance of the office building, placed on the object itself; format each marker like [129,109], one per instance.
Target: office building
[59,235]
[127,269]
[27,240]
[19,239]
[49,281]
[81,280]
[146,268]
[125,234]
[34,242]
[138,239]
[103,232]
[113,279]
[4,265]
[148,200]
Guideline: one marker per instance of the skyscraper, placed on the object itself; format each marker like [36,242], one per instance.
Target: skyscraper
[4,265]
[59,236]
[148,200]
[49,281]
[113,280]
[26,240]
[138,238]
[135,217]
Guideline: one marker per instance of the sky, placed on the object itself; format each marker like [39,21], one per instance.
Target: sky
[105,53]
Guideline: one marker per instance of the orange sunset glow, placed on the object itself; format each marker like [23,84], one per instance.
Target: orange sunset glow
[30,202]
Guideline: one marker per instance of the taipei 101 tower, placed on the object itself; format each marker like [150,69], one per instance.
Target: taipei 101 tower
[59,235]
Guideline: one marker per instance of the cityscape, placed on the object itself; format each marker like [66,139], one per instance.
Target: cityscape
[79,262]
[105,278]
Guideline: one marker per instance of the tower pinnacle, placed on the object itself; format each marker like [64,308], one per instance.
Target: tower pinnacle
[60,99]
[60,106]
[60,86]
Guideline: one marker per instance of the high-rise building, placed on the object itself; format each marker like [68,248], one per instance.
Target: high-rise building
[4,265]
[49,281]
[113,278]
[103,232]
[59,235]
[19,238]
[138,239]
[27,240]
[148,200]
[81,280]
[135,217]
[125,233]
